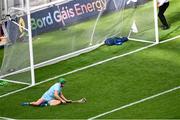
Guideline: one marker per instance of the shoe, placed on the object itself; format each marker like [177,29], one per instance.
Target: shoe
[164,27]
[84,99]
[25,104]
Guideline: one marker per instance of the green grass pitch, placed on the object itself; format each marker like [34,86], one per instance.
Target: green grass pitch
[112,84]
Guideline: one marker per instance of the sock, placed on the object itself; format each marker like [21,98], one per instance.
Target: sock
[44,104]
[25,104]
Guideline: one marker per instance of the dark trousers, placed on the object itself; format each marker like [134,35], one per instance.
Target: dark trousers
[162,9]
[1,31]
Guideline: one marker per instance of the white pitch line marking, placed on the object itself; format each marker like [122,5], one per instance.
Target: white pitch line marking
[134,103]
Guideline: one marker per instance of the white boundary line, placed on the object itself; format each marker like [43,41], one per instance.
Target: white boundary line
[170,39]
[16,91]
[86,67]
[6,118]
[134,103]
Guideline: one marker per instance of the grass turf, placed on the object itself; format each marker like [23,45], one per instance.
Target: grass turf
[107,86]
[113,84]
[101,53]
[158,108]
[173,17]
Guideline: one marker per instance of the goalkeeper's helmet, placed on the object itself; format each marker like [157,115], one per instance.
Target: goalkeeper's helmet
[62,80]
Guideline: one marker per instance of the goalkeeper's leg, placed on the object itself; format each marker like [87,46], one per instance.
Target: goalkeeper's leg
[54,102]
[36,103]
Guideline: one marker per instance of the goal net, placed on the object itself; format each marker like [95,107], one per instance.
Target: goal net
[67,28]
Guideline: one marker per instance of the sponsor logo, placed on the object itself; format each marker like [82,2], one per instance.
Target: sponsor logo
[22,24]
[63,13]
[129,1]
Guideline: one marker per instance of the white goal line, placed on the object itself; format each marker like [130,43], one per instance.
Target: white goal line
[170,39]
[6,118]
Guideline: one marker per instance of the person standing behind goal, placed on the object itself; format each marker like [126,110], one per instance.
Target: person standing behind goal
[163,5]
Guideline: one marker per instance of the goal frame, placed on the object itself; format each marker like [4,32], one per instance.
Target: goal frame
[32,67]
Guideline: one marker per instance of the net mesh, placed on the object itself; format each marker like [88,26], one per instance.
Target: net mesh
[65,30]
[16,53]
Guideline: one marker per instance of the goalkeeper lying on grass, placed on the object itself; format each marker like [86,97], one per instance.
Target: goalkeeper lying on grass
[52,97]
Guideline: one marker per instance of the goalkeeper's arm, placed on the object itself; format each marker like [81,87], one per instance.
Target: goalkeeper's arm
[56,95]
[62,96]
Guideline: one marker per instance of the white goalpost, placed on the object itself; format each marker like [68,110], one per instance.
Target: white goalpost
[30,43]
[49,33]
[156,21]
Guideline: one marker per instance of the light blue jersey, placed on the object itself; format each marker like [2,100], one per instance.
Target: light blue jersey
[49,95]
